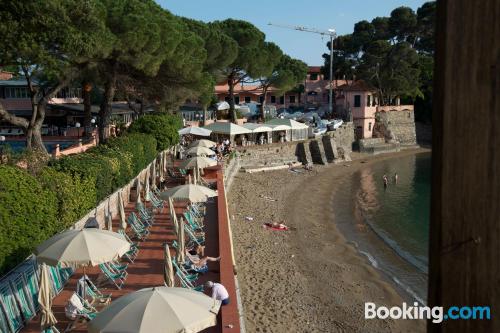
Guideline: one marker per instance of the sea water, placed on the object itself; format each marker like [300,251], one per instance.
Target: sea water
[390,225]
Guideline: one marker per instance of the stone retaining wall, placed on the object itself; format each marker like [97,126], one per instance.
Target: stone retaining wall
[400,122]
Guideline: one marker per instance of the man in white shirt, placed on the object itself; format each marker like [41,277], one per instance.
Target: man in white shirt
[219,292]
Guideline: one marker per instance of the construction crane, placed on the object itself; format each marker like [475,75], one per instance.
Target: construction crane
[332,34]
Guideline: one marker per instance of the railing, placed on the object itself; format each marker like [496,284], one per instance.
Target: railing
[77,149]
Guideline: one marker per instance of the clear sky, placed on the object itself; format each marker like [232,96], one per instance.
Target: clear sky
[320,14]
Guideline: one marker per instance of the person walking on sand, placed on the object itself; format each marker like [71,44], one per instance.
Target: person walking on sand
[219,292]
[395,178]
[386,181]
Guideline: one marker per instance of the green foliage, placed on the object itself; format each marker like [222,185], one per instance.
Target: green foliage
[393,54]
[75,195]
[28,215]
[163,127]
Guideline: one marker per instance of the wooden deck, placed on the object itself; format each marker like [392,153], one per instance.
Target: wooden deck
[147,269]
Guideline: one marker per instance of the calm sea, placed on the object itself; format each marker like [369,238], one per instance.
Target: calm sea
[390,226]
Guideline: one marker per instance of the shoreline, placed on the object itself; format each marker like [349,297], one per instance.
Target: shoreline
[310,276]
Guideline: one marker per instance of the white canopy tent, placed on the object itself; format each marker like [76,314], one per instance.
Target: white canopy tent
[228,130]
[195,131]
[261,132]
[297,131]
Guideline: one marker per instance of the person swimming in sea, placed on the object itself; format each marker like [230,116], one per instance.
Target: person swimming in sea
[386,181]
[396,178]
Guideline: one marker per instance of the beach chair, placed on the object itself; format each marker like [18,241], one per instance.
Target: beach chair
[155,201]
[195,226]
[8,303]
[77,309]
[140,222]
[196,212]
[140,231]
[188,276]
[145,213]
[197,239]
[118,279]
[92,291]
[187,284]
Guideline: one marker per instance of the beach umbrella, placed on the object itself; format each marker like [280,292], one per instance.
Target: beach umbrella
[197,162]
[158,310]
[121,209]
[181,240]
[109,218]
[81,248]
[173,215]
[200,151]
[138,189]
[147,197]
[203,143]
[195,131]
[169,269]
[193,193]
[45,296]
[153,174]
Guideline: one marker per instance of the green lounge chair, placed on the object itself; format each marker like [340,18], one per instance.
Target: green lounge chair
[118,279]
[9,305]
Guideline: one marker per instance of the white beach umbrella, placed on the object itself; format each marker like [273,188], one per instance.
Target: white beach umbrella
[80,248]
[173,215]
[158,310]
[197,162]
[153,174]
[121,210]
[200,151]
[203,143]
[193,193]
[181,240]
[195,131]
[169,269]
[45,296]
[147,197]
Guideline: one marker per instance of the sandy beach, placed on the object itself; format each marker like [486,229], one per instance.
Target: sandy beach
[308,279]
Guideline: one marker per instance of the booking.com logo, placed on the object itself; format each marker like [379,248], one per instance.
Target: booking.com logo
[436,313]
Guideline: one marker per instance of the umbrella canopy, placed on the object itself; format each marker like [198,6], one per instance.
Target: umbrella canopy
[193,193]
[195,131]
[200,151]
[257,128]
[169,269]
[203,143]
[153,174]
[45,296]
[222,106]
[86,247]
[121,209]
[158,309]
[288,122]
[197,162]
[227,128]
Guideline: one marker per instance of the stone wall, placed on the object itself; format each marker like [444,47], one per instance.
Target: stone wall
[332,147]
[399,121]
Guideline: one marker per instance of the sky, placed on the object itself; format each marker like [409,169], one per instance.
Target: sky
[319,14]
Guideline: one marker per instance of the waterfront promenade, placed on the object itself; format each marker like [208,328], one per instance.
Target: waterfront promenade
[147,269]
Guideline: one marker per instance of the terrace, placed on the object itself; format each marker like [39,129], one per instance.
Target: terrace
[148,268]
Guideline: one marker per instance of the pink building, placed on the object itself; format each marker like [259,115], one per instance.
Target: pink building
[360,101]
[316,87]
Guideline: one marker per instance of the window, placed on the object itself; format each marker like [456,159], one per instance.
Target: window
[236,99]
[369,126]
[247,99]
[273,99]
[282,99]
[11,92]
[226,99]
[261,99]
[357,101]
[292,99]
[368,100]
[313,76]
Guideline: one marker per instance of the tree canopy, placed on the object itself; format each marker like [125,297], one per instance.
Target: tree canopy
[394,54]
